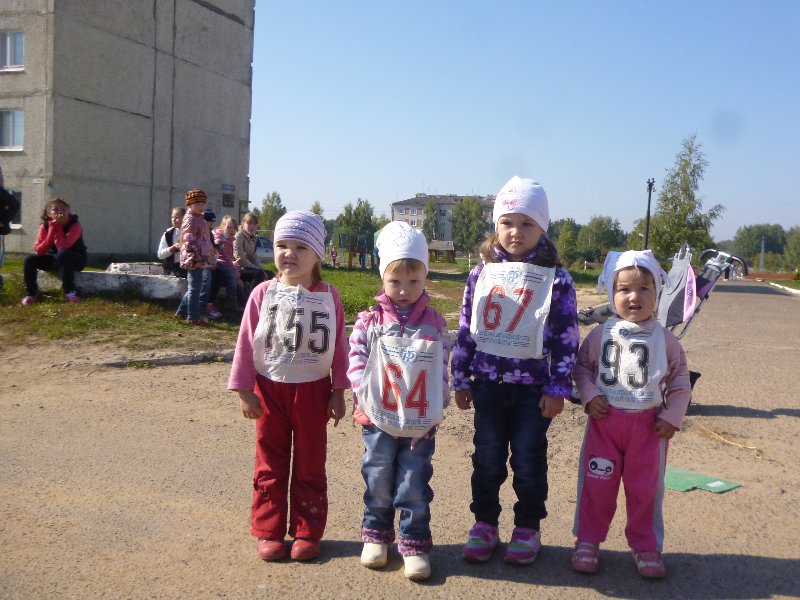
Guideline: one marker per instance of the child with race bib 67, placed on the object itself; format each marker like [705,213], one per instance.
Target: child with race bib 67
[398,369]
[634,384]
[513,359]
[290,371]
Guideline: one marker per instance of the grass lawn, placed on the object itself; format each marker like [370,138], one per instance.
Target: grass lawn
[140,326]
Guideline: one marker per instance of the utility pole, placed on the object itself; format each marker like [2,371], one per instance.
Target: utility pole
[650,186]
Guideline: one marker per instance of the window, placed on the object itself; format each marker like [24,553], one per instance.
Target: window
[413,223]
[12,128]
[442,224]
[12,49]
[401,211]
[442,213]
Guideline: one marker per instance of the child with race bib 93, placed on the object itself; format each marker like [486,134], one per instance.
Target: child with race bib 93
[290,371]
[634,384]
[513,359]
[398,369]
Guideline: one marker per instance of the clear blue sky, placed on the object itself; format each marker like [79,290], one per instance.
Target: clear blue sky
[381,100]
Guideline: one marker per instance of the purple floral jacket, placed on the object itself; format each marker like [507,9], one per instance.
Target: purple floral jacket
[561,339]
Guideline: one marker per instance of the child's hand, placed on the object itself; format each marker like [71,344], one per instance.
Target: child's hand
[336,406]
[464,399]
[597,407]
[250,404]
[664,429]
[551,406]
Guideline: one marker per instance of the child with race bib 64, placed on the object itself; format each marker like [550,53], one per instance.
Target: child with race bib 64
[290,371]
[513,359]
[398,369]
[634,384]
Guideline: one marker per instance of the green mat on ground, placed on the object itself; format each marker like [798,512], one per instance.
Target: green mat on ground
[683,481]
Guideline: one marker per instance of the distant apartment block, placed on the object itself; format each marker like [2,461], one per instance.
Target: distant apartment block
[412,211]
[119,106]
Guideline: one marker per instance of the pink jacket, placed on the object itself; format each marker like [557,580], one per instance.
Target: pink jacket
[676,382]
[243,370]
[422,323]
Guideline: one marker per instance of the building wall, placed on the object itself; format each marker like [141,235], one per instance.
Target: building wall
[148,98]
[404,211]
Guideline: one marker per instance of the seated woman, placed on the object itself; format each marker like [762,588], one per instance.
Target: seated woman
[59,245]
[244,253]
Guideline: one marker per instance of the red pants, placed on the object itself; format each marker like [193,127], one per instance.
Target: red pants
[295,414]
[623,446]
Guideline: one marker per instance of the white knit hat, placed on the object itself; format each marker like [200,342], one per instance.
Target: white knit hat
[524,196]
[399,240]
[616,261]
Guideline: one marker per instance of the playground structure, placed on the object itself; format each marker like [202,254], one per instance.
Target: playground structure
[358,245]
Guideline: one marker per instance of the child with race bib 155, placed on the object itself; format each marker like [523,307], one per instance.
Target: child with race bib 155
[513,359]
[290,371]
[398,369]
[634,384]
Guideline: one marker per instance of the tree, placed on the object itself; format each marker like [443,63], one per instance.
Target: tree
[469,226]
[357,219]
[271,210]
[598,236]
[380,222]
[316,208]
[567,245]
[747,241]
[429,222]
[557,227]
[678,217]
[791,251]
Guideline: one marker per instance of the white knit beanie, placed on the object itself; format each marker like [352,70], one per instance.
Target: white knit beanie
[616,261]
[524,196]
[399,240]
[302,226]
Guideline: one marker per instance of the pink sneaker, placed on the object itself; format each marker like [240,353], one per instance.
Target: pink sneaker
[213,311]
[481,542]
[72,297]
[28,300]
[524,546]
[586,558]
[650,564]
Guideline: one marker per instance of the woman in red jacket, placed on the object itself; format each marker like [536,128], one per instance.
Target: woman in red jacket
[59,245]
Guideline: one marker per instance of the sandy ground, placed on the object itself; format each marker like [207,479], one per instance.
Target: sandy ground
[136,483]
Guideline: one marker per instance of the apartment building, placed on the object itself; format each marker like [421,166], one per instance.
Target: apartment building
[119,106]
[412,211]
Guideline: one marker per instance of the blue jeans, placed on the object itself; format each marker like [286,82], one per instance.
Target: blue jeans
[397,478]
[194,301]
[224,276]
[508,416]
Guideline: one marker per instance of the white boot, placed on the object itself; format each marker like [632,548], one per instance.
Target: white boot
[417,567]
[374,556]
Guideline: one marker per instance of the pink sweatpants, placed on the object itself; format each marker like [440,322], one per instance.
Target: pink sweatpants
[622,446]
[291,438]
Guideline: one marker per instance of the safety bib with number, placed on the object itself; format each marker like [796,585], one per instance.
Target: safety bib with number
[401,390]
[509,309]
[296,334]
[633,360]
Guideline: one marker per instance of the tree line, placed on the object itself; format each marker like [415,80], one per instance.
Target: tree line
[678,218]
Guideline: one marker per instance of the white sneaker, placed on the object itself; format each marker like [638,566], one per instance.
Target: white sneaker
[374,556]
[417,567]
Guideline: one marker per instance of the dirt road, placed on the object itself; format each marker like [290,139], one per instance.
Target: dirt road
[136,483]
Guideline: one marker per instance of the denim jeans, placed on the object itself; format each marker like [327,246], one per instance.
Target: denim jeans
[397,478]
[195,299]
[507,416]
[224,276]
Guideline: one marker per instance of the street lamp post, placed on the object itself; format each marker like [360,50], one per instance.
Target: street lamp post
[650,185]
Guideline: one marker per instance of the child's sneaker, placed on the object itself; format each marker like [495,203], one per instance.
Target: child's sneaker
[213,312]
[524,546]
[303,549]
[271,549]
[28,300]
[481,542]
[72,297]
[650,564]
[417,567]
[374,556]
[586,558]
